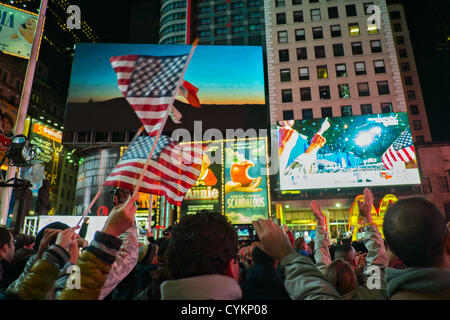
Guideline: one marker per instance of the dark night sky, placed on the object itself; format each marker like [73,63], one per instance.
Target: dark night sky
[429,23]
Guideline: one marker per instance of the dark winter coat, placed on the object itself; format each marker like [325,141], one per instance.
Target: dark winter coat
[263,283]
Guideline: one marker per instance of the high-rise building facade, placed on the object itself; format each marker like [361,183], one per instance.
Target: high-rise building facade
[330,58]
[325,59]
[220,22]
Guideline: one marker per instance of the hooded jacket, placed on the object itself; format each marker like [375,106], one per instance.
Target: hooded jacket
[205,287]
[418,284]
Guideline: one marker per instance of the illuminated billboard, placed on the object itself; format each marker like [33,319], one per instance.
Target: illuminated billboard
[355,151]
[49,146]
[206,194]
[17,29]
[230,82]
[8,115]
[234,180]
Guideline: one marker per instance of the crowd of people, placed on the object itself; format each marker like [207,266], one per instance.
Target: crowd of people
[201,258]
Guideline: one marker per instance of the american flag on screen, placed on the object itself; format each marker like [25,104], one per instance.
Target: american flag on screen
[149,83]
[172,171]
[401,150]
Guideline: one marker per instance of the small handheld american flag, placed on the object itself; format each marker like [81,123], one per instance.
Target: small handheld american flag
[149,83]
[172,171]
[401,150]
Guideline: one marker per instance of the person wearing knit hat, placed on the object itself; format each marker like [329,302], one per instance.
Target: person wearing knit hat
[148,254]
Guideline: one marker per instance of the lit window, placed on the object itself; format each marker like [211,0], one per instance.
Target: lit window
[322,72]
[315,15]
[375,45]
[299,34]
[303,73]
[279,3]
[344,91]
[341,70]
[335,31]
[372,29]
[363,89]
[379,66]
[360,68]
[353,29]
[282,37]
[346,111]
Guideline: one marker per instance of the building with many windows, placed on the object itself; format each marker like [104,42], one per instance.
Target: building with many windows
[324,59]
[221,22]
[329,58]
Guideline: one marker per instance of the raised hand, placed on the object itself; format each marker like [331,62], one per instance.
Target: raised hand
[49,234]
[67,239]
[272,240]
[318,214]
[365,208]
[121,217]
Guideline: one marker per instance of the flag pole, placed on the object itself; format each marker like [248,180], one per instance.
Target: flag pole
[138,185]
[141,129]
[150,211]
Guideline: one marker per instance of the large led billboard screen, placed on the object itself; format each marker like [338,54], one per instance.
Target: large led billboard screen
[234,180]
[17,28]
[354,151]
[230,82]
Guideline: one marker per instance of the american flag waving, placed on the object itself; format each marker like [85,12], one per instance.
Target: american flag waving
[149,84]
[172,171]
[402,150]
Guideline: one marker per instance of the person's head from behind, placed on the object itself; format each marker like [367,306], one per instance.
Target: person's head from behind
[347,253]
[7,247]
[201,244]
[341,275]
[417,233]
[261,258]
[300,244]
[24,241]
